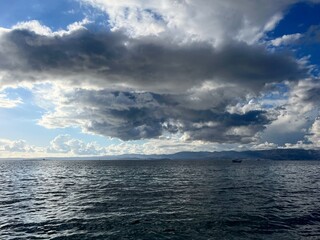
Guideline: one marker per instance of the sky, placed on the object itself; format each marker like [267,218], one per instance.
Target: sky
[109,77]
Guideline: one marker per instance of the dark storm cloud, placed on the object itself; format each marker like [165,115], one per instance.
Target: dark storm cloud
[166,74]
[311,94]
[145,63]
[132,116]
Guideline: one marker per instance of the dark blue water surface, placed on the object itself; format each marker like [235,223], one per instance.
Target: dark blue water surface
[159,200]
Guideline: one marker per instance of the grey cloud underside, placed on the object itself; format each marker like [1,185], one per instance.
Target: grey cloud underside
[145,64]
[166,74]
[132,116]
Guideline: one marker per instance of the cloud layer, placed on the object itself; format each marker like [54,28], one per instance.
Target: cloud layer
[113,59]
[201,70]
[213,21]
[133,116]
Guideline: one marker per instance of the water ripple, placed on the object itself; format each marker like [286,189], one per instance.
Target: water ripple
[159,200]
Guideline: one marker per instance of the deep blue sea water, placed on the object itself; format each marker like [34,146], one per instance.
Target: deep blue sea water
[159,200]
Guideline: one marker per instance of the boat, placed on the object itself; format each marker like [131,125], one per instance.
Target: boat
[237,160]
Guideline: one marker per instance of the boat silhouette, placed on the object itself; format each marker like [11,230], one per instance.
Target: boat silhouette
[237,160]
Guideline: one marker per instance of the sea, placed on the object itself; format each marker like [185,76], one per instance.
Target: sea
[159,199]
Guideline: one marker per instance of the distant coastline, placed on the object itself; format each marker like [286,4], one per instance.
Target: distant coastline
[274,154]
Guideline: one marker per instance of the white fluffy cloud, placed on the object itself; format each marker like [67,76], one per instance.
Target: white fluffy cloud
[265,146]
[314,133]
[296,114]
[36,27]
[5,102]
[286,39]
[67,145]
[215,21]
[60,146]
[18,148]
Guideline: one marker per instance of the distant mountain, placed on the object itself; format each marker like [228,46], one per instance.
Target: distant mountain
[275,154]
